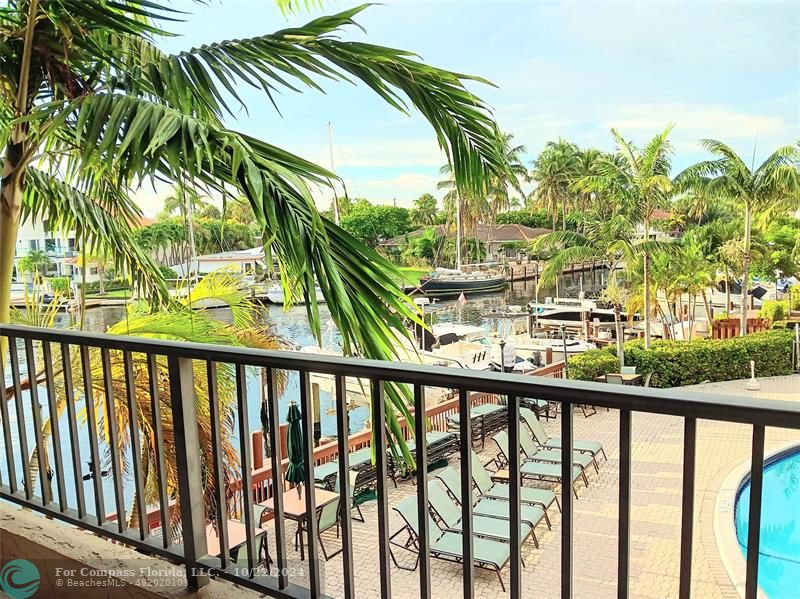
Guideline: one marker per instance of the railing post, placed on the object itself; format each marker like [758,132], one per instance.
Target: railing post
[190,484]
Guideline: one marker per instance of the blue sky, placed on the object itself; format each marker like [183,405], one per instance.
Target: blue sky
[728,70]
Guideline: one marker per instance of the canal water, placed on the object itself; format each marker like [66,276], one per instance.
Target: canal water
[292,325]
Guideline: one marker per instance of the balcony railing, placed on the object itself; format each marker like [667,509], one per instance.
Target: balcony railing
[184,362]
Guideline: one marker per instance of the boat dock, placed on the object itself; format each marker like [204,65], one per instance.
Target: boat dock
[528,271]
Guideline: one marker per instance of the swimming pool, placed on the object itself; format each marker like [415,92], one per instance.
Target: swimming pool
[779,560]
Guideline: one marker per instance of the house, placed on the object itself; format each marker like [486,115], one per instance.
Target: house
[242,260]
[502,242]
[37,236]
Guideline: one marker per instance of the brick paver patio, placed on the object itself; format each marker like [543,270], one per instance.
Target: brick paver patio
[655,526]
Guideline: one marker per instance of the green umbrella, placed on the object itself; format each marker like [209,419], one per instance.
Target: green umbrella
[294,437]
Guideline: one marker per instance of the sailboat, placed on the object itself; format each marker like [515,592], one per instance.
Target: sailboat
[447,281]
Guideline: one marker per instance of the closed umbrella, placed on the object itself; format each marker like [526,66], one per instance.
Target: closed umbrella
[294,438]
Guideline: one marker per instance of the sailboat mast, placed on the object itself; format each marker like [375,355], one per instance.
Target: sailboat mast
[336,216]
[458,232]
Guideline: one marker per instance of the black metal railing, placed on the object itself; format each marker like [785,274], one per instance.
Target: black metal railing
[150,366]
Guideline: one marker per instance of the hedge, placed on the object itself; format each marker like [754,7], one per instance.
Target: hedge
[678,363]
[774,310]
[591,364]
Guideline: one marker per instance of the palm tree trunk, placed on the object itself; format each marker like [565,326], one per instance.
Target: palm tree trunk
[619,335]
[727,290]
[101,274]
[646,278]
[11,186]
[709,316]
[746,267]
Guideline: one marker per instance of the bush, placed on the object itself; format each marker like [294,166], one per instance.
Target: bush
[59,284]
[773,310]
[678,363]
[589,365]
[167,272]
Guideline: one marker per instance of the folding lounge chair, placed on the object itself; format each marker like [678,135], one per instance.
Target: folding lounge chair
[487,488]
[544,454]
[591,447]
[486,553]
[489,506]
[489,527]
[541,471]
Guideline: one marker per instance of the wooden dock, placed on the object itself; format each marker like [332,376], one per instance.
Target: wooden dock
[529,271]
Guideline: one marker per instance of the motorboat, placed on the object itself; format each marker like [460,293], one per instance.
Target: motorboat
[554,312]
[449,282]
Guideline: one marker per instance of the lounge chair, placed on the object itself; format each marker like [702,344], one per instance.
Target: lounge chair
[546,454]
[540,471]
[591,447]
[489,527]
[494,507]
[615,379]
[502,491]
[484,419]
[486,553]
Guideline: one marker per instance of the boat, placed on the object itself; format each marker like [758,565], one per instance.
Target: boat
[274,295]
[574,312]
[445,281]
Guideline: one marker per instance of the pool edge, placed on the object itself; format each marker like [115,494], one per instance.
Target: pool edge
[724,524]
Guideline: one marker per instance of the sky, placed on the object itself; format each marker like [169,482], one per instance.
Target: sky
[724,69]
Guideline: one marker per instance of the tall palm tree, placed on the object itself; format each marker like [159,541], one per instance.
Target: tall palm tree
[638,181]
[554,171]
[423,212]
[83,84]
[611,241]
[33,262]
[727,176]
[502,188]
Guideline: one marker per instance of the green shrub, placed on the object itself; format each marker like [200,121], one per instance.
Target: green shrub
[773,310]
[589,365]
[59,284]
[167,272]
[678,363]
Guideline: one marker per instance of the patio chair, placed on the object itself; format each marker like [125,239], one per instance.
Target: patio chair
[487,554]
[542,438]
[449,515]
[502,491]
[647,378]
[540,471]
[535,453]
[327,518]
[628,370]
[615,379]
[491,506]
[259,511]
[352,499]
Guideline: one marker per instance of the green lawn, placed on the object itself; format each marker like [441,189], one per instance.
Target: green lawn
[116,294]
[411,274]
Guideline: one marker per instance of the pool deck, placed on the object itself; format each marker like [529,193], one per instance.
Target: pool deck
[655,517]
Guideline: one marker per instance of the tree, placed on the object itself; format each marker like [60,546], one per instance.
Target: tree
[727,176]
[109,109]
[424,211]
[184,320]
[502,188]
[34,262]
[374,224]
[554,171]
[638,181]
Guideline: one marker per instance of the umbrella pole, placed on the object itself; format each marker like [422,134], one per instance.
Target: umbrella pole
[315,410]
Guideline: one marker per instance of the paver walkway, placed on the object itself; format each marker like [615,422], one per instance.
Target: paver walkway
[655,527]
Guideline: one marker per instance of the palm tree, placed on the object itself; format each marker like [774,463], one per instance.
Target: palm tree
[554,171]
[727,176]
[424,211]
[33,262]
[502,188]
[639,183]
[83,83]
[185,320]
[611,241]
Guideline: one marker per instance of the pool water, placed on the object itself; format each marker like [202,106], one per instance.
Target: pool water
[779,559]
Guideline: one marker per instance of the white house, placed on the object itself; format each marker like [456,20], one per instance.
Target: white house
[57,245]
